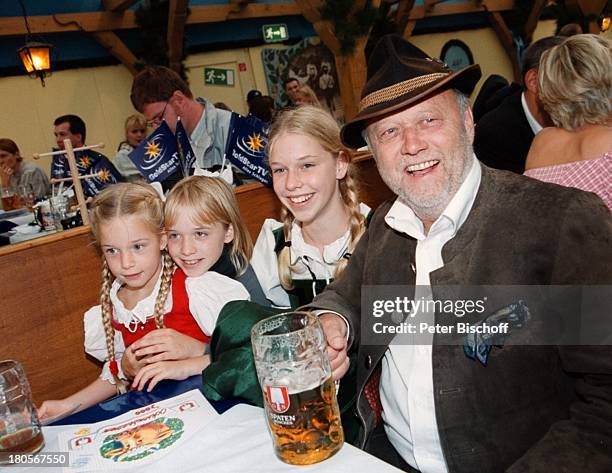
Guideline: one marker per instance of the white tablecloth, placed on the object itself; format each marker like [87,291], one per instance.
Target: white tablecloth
[22,217]
[237,442]
[18,217]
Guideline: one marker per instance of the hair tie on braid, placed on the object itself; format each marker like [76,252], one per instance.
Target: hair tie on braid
[347,255]
[287,244]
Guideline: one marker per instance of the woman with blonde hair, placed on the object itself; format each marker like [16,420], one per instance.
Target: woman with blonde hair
[306,96]
[135,133]
[575,87]
[321,217]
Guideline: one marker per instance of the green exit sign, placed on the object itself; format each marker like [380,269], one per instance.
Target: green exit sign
[275,33]
[216,76]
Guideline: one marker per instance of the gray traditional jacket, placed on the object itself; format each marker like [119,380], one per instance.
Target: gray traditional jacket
[532,408]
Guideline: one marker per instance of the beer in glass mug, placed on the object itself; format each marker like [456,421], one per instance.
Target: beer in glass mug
[10,200]
[20,430]
[299,394]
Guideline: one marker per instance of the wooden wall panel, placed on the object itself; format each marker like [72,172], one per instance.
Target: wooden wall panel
[46,285]
[257,203]
[45,290]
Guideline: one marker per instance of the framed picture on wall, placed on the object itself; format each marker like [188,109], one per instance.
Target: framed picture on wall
[456,54]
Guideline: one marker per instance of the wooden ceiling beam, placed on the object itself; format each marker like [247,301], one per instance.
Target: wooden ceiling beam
[408,29]
[534,17]
[177,16]
[236,6]
[110,21]
[67,22]
[430,4]
[117,48]
[591,9]
[118,5]
[505,38]
[441,9]
[310,9]
[218,13]
[402,16]
[358,5]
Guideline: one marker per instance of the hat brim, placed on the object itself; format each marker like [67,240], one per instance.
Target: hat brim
[463,80]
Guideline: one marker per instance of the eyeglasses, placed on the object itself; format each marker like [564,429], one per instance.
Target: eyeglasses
[157,119]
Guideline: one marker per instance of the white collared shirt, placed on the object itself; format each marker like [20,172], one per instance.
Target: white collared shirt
[406,386]
[305,258]
[533,123]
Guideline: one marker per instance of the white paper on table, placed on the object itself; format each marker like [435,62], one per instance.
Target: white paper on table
[141,436]
[239,442]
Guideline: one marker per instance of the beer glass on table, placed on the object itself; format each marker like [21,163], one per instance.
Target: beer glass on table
[20,430]
[10,200]
[299,393]
[27,196]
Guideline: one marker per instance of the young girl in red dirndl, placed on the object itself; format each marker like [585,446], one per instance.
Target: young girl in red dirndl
[143,295]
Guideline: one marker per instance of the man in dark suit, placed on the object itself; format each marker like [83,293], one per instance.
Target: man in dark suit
[450,402]
[504,135]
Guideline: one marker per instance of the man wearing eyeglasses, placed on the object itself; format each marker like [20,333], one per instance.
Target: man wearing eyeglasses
[161,94]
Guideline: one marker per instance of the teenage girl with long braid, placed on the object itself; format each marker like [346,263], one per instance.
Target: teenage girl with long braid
[144,294]
[321,217]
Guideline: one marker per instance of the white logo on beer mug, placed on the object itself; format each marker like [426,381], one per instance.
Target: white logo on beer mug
[290,352]
[278,398]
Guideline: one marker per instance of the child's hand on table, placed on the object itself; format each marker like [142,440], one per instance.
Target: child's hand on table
[49,409]
[177,370]
[166,344]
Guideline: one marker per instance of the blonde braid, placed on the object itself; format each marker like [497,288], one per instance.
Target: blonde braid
[123,199]
[106,309]
[348,189]
[164,288]
[284,256]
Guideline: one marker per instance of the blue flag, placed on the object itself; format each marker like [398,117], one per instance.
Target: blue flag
[88,162]
[157,157]
[183,144]
[246,147]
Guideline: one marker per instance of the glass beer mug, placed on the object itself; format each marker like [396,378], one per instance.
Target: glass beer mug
[10,200]
[299,392]
[20,430]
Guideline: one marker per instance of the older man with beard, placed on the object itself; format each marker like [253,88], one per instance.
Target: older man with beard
[459,403]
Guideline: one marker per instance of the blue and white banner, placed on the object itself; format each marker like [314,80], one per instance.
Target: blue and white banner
[157,157]
[246,147]
[188,157]
[87,162]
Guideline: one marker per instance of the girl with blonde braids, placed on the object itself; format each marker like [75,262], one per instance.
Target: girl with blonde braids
[321,217]
[143,296]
